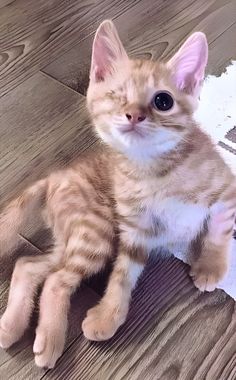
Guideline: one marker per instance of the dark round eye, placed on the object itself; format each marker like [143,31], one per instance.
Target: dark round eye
[163,101]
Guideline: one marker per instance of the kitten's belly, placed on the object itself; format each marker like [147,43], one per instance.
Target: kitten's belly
[170,223]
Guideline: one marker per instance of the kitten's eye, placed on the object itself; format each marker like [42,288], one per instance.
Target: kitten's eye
[163,101]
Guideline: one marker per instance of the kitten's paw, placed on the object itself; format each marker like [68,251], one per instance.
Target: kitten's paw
[8,334]
[102,323]
[48,347]
[206,277]
[6,339]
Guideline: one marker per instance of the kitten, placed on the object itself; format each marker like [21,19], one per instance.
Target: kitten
[157,179]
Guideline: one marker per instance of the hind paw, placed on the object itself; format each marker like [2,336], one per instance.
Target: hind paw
[9,334]
[48,347]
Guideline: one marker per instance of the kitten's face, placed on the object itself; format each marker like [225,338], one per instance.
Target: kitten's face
[138,107]
[138,111]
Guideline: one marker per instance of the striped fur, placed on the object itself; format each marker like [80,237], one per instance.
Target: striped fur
[161,185]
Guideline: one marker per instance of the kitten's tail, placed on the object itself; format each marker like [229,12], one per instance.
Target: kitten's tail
[15,216]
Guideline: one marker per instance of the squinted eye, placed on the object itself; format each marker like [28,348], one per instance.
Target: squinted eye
[163,101]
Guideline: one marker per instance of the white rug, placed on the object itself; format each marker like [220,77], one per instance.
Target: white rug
[217,112]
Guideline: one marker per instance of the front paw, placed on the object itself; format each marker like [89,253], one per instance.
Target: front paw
[48,347]
[102,322]
[206,276]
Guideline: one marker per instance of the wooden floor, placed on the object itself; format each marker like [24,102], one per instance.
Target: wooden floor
[173,331]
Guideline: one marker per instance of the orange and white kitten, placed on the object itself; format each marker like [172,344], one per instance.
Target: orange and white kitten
[157,181]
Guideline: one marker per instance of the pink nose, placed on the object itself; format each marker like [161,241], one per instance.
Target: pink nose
[135,117]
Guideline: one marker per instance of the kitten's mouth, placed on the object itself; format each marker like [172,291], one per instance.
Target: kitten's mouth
[131,130]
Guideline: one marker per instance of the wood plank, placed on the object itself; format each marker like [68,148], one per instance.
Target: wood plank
[43,126]
[154,31]
[33,34]
[17,363]
[173,332]
[222,49]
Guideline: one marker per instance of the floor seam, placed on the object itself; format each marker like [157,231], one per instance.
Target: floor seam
[61,83]
[26,240]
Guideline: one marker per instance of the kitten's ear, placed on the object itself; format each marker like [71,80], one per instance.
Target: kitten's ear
[188,64]
[107,51]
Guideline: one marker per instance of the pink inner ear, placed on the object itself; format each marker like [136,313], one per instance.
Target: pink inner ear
[102,58]
[99,74]
[188,64]
[107,51]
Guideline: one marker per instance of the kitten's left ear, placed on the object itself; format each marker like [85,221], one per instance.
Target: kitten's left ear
[107,51]
[188,64]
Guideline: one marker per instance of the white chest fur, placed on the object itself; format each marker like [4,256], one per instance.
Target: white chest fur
[179,223]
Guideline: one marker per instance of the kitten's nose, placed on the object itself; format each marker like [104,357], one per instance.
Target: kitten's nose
[135,116]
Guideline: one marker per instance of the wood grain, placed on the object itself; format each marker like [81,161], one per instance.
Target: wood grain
[150,31]
[172,332]
[34,33]
[43,126]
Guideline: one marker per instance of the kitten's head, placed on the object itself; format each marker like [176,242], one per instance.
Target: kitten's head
[143,108]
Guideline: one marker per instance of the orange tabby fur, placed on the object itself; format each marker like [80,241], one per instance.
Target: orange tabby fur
[165,185]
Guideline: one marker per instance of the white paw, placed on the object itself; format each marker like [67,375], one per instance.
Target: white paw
[48,347]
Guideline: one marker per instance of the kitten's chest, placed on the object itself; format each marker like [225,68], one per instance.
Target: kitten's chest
[173,214]
[163,222]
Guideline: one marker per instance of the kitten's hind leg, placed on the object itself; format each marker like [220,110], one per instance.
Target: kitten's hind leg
[214,248]
[85,254]
[29,273]
[54,305]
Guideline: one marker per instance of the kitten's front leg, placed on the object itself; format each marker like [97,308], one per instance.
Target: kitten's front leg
[103,320]
[212,262]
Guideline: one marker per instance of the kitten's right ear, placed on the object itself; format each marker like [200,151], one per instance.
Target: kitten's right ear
[107,51]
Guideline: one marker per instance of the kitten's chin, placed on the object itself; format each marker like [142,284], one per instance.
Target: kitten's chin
[128,143]
[139,145]
[131,132]
[137,148]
